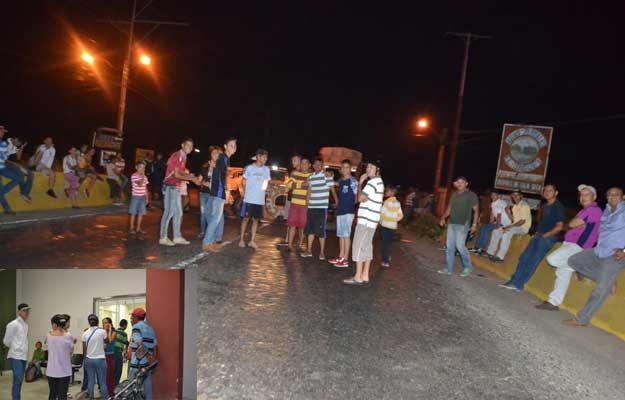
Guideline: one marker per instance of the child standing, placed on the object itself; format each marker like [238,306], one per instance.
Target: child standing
[139,197]
[390,216]
[347,190]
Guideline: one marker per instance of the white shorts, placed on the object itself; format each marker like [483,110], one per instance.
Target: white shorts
[362,249]
[43,169]
[344,225]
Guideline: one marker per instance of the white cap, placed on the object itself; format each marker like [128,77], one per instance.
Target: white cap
[592,189]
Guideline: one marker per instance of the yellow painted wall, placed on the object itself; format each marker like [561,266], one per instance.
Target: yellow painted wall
[99,195]
[610,317]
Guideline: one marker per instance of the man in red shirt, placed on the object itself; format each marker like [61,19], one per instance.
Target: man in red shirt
[174,176]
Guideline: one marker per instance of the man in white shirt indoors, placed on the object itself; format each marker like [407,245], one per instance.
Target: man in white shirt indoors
[16,339]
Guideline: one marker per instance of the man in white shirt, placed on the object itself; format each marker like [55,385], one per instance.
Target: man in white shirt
[42,161]
[255,180]
[499,216]
[521,224]
[16,339]
[93,341]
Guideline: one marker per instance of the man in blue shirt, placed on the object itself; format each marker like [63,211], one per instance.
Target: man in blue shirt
[255,179]
[604,263]
[546,236]
[144,349]
[347,190]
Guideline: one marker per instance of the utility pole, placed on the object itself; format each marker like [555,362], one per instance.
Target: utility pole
[467,37]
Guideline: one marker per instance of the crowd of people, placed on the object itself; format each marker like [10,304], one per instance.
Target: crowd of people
[593,246]
[104,349]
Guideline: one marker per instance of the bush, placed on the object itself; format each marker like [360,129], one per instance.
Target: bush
[425,225]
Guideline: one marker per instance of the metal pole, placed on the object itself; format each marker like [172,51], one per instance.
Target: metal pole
[126,73]
[439,165]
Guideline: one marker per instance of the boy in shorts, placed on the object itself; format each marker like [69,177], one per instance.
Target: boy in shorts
[347,190]
[139,197]
[296,221]
[255,179]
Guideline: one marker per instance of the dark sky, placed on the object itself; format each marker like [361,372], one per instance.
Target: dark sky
[294,76]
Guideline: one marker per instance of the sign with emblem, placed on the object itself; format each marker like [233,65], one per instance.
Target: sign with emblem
[523,158]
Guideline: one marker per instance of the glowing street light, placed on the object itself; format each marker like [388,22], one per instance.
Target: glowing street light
[145,59]
[423,123]
[88,58]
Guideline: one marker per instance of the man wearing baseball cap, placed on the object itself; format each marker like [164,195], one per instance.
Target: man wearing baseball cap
[16,339]
[582,234]
[462,204]
[144,347]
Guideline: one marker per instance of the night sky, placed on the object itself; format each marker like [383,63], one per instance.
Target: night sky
[294,76]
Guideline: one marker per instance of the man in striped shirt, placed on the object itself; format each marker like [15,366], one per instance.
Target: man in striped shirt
[121,345]
[370,199]
[298,183]
[320,186]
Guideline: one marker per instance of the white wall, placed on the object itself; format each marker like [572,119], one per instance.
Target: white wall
[70,291]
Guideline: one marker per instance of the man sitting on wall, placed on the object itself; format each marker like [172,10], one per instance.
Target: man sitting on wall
[521,223]
[499,217]
[604,263]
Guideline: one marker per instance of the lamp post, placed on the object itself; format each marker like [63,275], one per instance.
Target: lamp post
[423,125]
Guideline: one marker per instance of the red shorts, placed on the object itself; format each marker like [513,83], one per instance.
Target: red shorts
[297,216]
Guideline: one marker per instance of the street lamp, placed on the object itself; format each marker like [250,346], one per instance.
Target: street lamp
[86,57]
[423,128]
[145,59]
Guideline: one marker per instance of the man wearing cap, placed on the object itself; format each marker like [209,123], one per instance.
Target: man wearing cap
[547,232]
[582,234]
[144,349]
[16,339]
[94,340]
[521,224]
[604,263]
[498,217]
[461,205]
[220,194]
[254,183]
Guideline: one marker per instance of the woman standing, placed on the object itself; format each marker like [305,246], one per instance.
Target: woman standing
[60,346]
[109,351]
[207,172]
[70,164]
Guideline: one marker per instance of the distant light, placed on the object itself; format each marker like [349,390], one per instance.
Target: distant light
[88,58]
[274,167]
[196,150]
[145,59]
[422,123]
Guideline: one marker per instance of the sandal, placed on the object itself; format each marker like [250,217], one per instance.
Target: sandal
[352,281]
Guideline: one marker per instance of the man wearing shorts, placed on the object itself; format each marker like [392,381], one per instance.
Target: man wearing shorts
[370,199]
[42,162]
[255,179]
[348,188]
[299,203]
[296,160]
[320,186]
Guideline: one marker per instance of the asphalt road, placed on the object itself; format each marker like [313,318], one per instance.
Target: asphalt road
[276,326]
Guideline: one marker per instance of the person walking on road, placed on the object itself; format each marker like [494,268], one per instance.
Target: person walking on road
[175,174]
[16,339]
[255,180]
[347,190]
[462,203]
[94,340]
[220,194]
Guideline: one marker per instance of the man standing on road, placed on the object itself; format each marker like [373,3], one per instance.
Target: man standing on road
[298,184]
[144,348]
[320,187]
[462,203]
[16,339]
[582,234]
[546,236]
[604,263]
[220,194]
[42,162]
[521,224]
[348,188]
[296,160]
[175,174]
[255,179]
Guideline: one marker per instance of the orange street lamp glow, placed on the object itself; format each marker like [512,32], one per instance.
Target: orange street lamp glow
[88,58]
[422,123]
[145,59]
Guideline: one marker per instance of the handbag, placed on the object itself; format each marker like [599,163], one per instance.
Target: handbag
[31,374]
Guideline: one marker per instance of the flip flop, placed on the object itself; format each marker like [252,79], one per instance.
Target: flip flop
[352,281]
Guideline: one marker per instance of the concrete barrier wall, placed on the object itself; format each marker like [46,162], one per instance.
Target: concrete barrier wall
[611,316]
[99,196]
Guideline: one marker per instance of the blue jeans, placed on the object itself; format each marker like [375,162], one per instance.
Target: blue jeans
[536,250]
[147,382]
[124,180]
[19,369]
[3,201]
[119,365]
[483,239]
[387,237]
[172,209]
[96,369]
[456,239]
[215,215]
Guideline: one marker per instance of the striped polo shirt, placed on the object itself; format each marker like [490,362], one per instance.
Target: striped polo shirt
[139,184]
[299,183]
[391,213]
[320,186]
[121,341]
[369,211]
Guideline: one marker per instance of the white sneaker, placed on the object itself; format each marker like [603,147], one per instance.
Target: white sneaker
[443,272]
[181,240]
[166,242]
[252,245]
[241,244]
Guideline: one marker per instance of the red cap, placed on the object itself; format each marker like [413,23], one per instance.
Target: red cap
[138,312]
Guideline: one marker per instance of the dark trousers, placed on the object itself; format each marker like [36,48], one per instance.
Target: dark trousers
[483,239]
[116,190]
[387,238]
[536,250]
[58,388]
[119,365]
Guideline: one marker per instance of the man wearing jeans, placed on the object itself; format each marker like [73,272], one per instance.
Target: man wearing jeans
[521,224]
[174,176]
[604,263]
[582,234]
[498,217]
[144,348]
[93,341]
[462,203]
[546,236]
[16,339]
[220,194]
